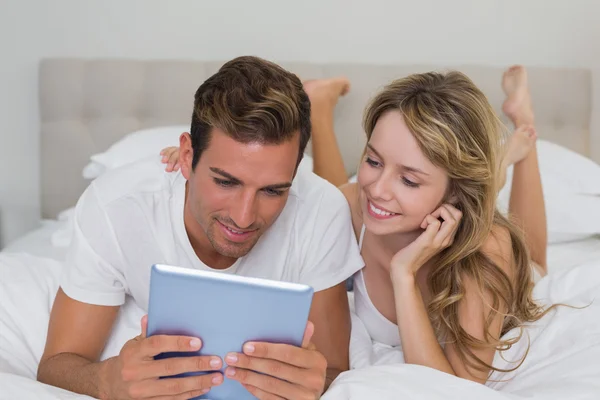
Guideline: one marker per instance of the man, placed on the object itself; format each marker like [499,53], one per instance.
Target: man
[232,208]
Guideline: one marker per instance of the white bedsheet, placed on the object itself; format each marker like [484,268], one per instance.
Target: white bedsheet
[564,359]
[44,241]
[28,285]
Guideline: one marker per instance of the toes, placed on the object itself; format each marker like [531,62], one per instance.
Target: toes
[515,68]
[345,88]
[342,84]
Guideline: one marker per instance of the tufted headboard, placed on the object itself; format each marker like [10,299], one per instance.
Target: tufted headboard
[88,104]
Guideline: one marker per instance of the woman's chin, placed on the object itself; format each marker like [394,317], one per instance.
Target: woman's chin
[395,225]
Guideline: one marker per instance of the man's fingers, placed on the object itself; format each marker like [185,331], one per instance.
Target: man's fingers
[183,396]
[285,353]
[155,345]
[274,368]
[144,323]
[267,384]
[177,365]
[261,394]
[174,386]
[308,334]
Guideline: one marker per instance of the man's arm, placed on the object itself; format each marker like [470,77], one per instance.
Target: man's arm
[331,316]
[76,337]
[77,334]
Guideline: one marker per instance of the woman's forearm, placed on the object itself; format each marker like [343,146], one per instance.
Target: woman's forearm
[327,158]
[419,343]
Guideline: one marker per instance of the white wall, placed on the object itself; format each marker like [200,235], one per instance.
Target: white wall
[498,32]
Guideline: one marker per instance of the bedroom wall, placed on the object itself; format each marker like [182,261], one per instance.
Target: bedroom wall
[497,32]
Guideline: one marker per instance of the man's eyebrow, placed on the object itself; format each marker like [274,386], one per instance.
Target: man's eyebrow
[226,175]
[233,179]
[279,186]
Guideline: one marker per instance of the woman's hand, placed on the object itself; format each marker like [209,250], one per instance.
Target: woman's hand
[437,236]
[171,158]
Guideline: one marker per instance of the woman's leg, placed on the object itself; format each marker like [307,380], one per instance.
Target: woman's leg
[526,206]
[327,159]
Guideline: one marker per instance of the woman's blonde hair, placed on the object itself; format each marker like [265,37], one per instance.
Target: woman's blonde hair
[457,130]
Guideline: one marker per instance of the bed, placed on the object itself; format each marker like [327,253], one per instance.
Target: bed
[91,106]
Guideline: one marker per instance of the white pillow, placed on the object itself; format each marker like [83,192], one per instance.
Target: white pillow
[144,143]
[133,147]
[571,187]
[565,170]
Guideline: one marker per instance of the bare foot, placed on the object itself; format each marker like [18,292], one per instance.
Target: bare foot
[520,144]
[517,105]
[324,93]
[516,149]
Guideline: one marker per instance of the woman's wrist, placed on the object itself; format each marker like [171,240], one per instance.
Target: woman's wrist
[403,275]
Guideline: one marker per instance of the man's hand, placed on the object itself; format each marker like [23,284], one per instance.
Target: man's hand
[278,371]
[134,373]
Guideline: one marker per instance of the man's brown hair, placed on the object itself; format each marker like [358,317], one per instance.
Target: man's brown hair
[253,101]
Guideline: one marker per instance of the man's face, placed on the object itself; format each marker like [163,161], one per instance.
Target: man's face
[237,191]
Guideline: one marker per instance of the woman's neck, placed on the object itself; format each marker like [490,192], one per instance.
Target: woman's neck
[393,243]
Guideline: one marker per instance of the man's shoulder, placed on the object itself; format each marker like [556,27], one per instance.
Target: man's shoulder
[142,177]
[319,204]
[312,191]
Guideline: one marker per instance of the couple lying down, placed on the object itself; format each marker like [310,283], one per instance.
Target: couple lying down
[438,270]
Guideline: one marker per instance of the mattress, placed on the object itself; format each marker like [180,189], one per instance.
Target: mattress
[570,346]
[42,241]
[52,238]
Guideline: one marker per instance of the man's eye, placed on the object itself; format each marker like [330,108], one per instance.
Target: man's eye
[223,183]
[273,192]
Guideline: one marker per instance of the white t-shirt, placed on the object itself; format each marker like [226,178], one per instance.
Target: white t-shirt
[132,217]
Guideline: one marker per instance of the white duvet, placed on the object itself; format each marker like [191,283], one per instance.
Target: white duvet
[563,361]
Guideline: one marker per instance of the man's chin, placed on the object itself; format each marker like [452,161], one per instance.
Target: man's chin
[233,250]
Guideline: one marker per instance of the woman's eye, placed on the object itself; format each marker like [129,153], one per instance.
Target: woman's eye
[410,183]
[372,162]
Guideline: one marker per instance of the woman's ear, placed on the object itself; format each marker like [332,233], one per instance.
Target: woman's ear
[451,197]
[186,154]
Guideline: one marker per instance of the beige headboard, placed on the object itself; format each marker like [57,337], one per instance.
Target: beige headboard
[86,105]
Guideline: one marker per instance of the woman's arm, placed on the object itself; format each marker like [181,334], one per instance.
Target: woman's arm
[327,158]
[419,341]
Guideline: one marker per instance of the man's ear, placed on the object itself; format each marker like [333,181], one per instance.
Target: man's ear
[186,154]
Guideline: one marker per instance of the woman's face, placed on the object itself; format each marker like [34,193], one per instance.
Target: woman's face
[399,186]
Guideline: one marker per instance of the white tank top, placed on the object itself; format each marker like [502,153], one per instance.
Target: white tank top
[380,328]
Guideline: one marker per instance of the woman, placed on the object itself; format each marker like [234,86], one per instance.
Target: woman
[446,275]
